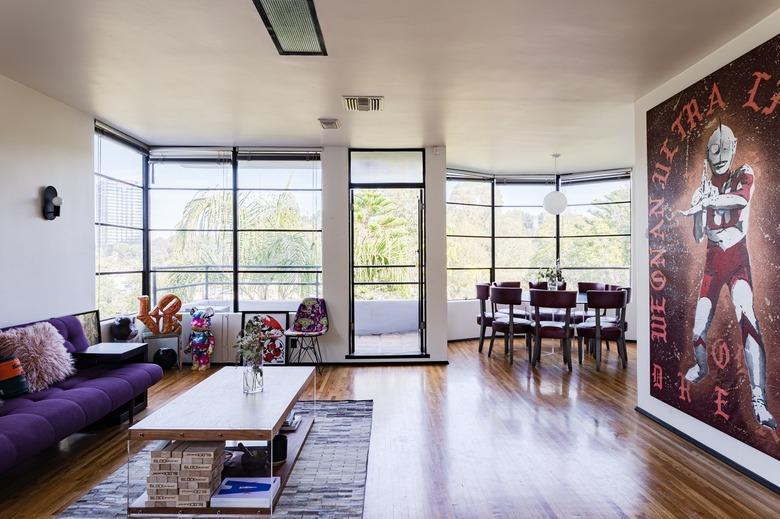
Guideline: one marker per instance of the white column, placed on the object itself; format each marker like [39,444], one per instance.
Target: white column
[335,251]
[436,251]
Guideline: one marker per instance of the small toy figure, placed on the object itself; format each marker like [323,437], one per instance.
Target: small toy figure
[201,343]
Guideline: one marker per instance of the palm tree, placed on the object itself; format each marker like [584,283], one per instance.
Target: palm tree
[382,236]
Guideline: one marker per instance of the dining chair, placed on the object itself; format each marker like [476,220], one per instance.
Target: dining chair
[544,329]
[615,317]
[599,328]
[485,317]
[509,325]
[547,314]
[586,313]
[518,310]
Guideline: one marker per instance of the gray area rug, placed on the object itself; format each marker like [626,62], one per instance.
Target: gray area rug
[328,480]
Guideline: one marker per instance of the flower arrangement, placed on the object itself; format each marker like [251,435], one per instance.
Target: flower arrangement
[249,347]
[553,274]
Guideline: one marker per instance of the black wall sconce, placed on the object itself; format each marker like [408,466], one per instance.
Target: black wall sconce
[51,203]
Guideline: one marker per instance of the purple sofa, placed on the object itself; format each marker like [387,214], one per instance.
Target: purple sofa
[30,423]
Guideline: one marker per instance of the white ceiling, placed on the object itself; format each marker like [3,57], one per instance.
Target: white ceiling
[501,83]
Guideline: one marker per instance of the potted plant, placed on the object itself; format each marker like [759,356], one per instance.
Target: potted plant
[553,275]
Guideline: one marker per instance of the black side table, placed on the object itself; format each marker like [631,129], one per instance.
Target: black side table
[112,355]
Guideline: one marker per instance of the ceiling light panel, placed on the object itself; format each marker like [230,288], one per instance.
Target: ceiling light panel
[293,26]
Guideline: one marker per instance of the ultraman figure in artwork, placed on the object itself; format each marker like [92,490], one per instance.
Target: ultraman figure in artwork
[720,208]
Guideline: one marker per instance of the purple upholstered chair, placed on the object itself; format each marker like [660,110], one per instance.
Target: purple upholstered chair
[509,325]
[311,321]
[561,330]
[547,314]
[598,328]
[586,313]
[485,317]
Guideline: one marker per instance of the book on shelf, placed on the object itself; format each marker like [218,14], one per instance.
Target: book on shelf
[246,492]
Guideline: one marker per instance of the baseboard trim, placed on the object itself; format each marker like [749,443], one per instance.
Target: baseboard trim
[378,356]
[715,454]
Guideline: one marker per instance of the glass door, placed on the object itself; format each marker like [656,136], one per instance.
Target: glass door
[387,260]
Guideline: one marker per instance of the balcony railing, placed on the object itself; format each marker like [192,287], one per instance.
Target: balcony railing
[214,282]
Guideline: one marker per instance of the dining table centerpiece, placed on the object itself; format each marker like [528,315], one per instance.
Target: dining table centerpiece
[553,275]
[249,350]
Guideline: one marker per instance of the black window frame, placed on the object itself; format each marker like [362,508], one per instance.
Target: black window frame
[236,154]
[422,311]
[103,131]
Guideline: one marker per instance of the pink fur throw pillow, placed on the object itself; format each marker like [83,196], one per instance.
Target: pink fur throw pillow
[41,350]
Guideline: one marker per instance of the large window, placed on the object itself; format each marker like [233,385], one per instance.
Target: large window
[246,242]
[233,228]
[498,230]
[525,232]
[469,235]
[191,228]
[279,229]
[119,178]
[595,239]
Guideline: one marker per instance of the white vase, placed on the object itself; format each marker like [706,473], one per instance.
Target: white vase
[552,285]
[253,378]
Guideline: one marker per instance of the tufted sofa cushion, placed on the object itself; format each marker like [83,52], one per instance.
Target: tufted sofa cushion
[32,422]
[71,330]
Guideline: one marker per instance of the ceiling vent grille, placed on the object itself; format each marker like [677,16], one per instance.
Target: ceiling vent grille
[330,124]
[364,103]
[293,26]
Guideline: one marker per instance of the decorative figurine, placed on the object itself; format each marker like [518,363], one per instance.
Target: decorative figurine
[201,343]
[123,328]
[165,318]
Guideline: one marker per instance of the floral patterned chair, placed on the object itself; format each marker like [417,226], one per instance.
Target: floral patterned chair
[311,322]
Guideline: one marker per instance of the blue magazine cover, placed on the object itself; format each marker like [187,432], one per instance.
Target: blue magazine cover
[246,492]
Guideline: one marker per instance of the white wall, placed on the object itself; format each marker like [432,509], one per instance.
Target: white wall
[748,457]
[462,319]
[48,267]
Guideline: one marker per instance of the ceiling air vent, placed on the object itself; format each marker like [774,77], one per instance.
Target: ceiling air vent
[363,103]
[330,124]
[293,26]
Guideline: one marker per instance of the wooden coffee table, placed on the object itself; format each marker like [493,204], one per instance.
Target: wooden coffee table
[218,410]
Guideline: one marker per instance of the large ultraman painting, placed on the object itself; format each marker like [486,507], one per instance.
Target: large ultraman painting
[714,232]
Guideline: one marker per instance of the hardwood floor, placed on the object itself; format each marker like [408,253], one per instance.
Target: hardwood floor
[474,439]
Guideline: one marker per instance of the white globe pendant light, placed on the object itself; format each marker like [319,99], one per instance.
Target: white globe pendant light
[555,202]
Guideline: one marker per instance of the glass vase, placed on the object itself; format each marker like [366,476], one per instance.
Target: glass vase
[553,284]
[253,378]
